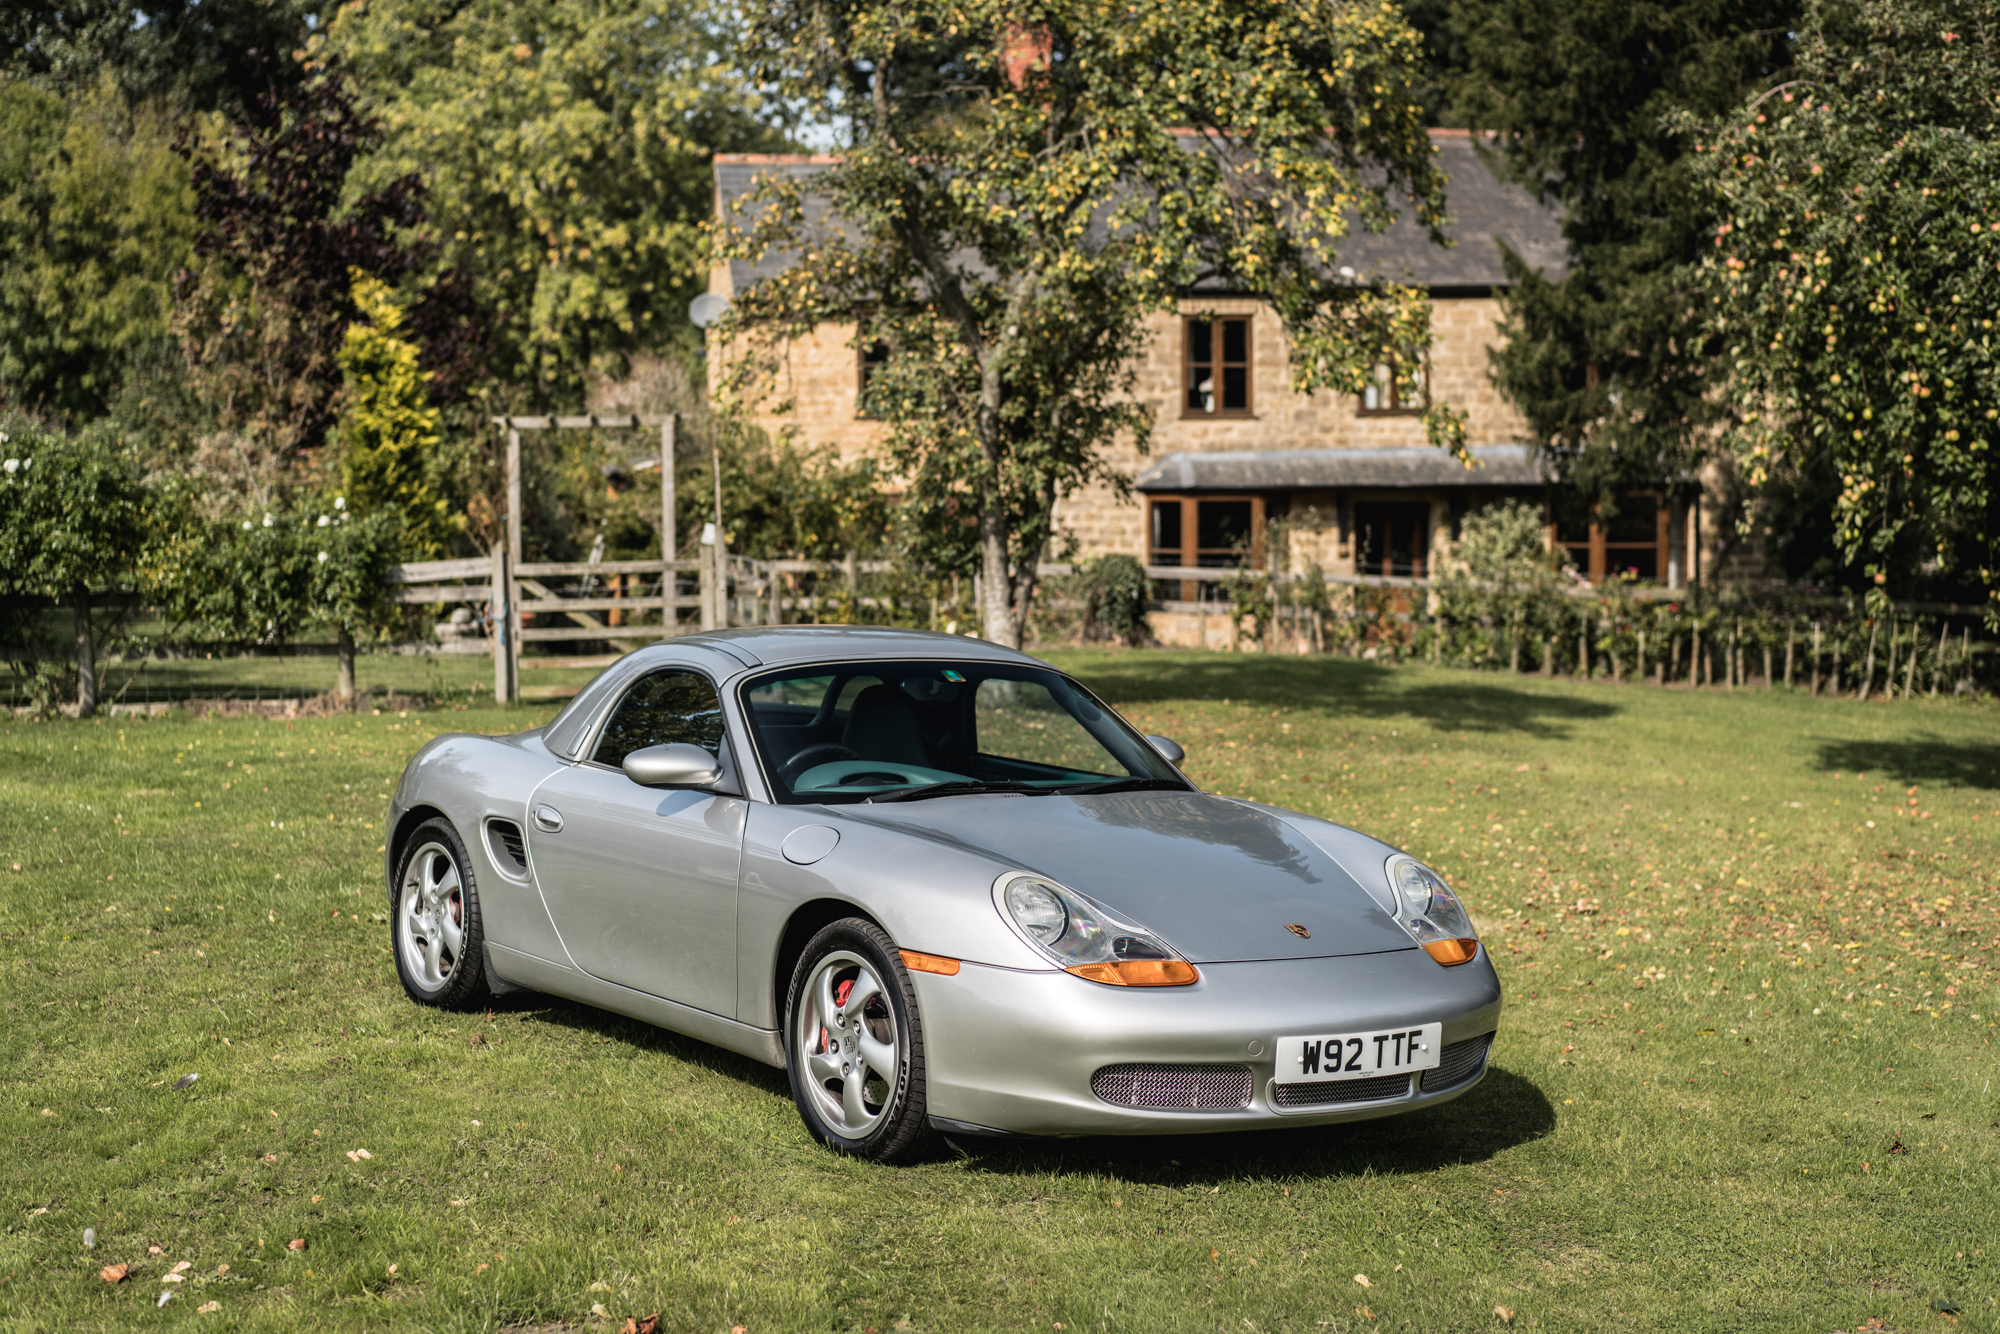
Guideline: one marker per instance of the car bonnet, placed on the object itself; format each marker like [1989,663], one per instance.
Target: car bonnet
[1217,880]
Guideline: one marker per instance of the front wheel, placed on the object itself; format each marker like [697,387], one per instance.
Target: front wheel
[434,925]
[854,1049]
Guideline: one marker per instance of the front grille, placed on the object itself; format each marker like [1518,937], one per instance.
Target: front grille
[504,837]
[1458,1063]
[1340,1090]
[1178,1088]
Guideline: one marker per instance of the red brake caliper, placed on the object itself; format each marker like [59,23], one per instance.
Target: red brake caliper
[840,995]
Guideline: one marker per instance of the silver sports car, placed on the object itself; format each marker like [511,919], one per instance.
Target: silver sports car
[944,887]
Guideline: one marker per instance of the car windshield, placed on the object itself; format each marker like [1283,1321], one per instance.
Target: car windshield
[907,730]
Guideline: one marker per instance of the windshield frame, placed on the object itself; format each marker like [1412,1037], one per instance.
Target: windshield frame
[976,670]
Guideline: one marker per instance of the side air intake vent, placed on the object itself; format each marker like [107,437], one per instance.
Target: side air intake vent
[509,853]
[1180,1088]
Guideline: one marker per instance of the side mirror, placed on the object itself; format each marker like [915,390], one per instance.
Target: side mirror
[1170,749]
[676,765]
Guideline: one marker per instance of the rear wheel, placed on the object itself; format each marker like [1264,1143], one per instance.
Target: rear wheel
[434,923]
[854,1049]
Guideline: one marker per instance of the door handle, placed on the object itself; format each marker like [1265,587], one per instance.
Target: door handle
[548,819]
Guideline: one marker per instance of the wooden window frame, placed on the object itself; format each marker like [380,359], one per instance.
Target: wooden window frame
[1421,567]
[1190,553]
[1249,364]
[1396,407]
[1600,548]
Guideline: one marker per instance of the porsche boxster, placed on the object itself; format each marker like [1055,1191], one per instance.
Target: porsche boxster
[944,887]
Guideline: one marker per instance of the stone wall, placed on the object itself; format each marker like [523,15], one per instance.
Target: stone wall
[820,379]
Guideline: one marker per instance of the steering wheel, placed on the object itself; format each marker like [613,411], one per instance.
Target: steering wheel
[826,752]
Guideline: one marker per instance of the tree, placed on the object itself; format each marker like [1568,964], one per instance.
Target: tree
[565,150]
[1021,187]
[263,315]
[388,430]
[1608,362]
[1852,277]
[95,218]
[73,521]
[269,575]
[193,55]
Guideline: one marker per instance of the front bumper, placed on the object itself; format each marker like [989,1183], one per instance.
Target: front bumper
[1015,1051]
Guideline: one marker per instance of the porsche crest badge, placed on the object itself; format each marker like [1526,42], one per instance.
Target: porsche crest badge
[1298,930]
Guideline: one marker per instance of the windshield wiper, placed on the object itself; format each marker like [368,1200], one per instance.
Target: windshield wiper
[955,787]
[1124,785]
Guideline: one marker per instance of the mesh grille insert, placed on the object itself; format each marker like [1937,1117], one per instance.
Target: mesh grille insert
[1458,1062]
[1180,1088]
[1340,1090]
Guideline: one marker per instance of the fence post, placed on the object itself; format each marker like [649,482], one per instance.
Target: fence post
[500,613]
[670,545]
[708,598]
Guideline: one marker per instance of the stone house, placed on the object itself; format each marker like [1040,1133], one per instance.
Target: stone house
[1238,456]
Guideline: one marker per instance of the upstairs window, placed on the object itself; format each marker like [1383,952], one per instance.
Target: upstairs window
[873,357]
[1217,367]
[1385,398]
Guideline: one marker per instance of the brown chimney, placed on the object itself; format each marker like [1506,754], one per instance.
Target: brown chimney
[1025,48]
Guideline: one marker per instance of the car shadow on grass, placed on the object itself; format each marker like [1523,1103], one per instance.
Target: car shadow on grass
[1346,688]
[557,1012]
[1928,759]
[1503,1111]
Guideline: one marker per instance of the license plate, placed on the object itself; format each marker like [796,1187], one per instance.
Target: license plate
[1330,1056]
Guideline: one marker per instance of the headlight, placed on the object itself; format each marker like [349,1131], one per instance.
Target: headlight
[1082,938]
[1430,912]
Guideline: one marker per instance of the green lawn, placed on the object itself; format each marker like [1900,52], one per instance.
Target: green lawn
[1744,1081]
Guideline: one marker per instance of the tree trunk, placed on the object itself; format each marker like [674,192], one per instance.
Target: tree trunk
[1889,679]
[996,614]
[86,655]
[1815,660]
[343,689]
[1868,672]
[1791,637]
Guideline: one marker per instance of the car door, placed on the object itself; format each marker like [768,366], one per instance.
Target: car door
[641,882]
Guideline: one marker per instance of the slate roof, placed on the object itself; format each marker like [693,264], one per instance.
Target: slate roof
[1283,469]
[1483,210]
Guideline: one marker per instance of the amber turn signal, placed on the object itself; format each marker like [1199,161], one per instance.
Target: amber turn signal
[1140,973]
[918,962]
[1449,952]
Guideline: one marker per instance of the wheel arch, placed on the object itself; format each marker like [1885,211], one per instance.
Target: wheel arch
[806,922]
[399,838]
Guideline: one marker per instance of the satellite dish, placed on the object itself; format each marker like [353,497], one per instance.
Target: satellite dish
[706,309]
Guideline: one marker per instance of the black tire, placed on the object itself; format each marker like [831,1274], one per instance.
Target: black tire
[435,931]
[893,1124]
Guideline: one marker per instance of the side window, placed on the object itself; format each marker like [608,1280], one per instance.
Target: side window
[659,710]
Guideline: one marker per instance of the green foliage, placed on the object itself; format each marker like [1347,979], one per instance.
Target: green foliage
[95,218]
[266,576]
[73,516]
[1853,280]
[1115,594]
[1019,193]
[565,152]
[1607,362]
[199,55]
[388,430]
